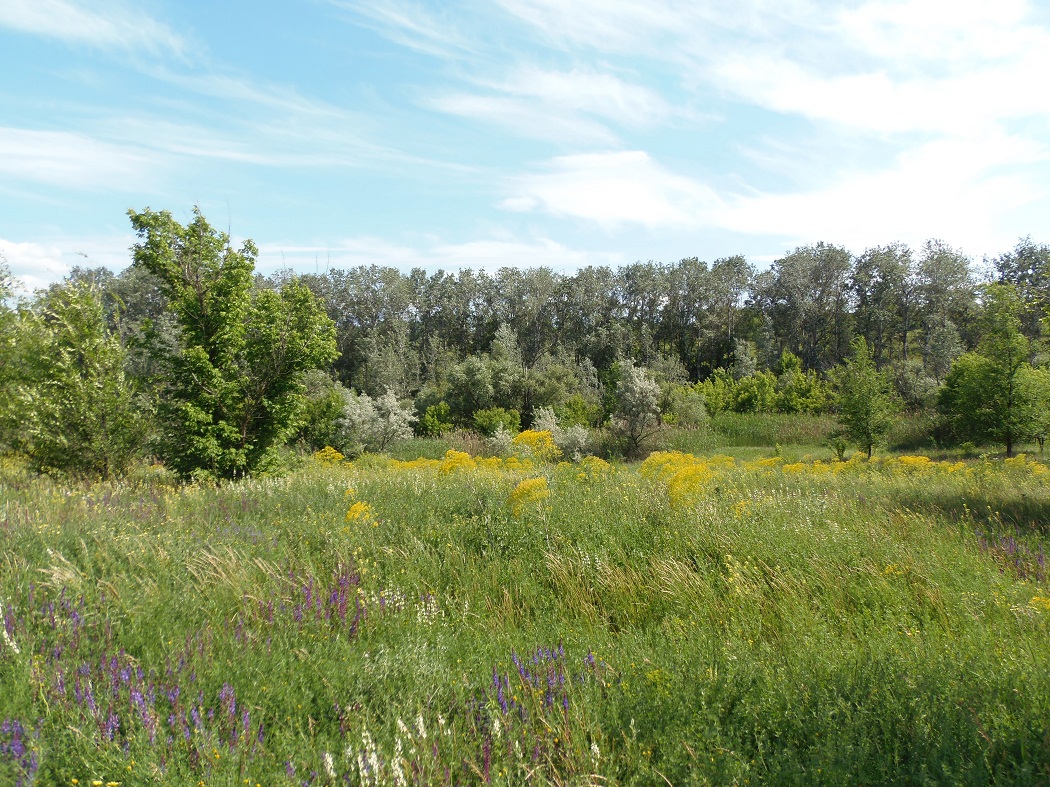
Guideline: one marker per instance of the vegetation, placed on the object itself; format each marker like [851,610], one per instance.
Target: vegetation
[232,391]
[469,620]
[212,576]
[223,373]
[866,403]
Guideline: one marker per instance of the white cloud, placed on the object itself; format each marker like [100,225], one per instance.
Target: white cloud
[104,25]
[37,264]
[74,160]
[34,265]
[586,90]
[963,189]
[606,25]
[613,189]
[526,118]
[562,106]
[410,25]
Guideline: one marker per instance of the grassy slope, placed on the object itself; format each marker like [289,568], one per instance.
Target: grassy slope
[746,624]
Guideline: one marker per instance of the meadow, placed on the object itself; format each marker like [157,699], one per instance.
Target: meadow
[698,618]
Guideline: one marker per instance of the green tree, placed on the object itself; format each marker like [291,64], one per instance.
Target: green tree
[234,386]
[79,413]
[865,399]
[987,394]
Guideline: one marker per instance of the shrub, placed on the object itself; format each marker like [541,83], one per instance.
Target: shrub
[489,420]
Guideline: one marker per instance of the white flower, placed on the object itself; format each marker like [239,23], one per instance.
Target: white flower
[329,765]
[7,637]
[420,727]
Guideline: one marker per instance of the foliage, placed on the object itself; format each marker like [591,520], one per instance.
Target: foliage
[321,409]
[865,400]
[992,394]
[368,424]
[637,408]
[489,420]
[755,394]
[79,412]
[436,421]
[537,445]
[686,408]
[234,388]
[573,442]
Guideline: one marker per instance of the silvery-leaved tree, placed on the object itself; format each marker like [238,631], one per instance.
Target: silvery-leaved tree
[368,424]
[637,414]
[233,387]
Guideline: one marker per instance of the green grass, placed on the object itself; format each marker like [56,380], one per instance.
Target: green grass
[712,624]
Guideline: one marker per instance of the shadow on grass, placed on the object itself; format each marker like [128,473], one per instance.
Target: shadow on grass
[1014,532]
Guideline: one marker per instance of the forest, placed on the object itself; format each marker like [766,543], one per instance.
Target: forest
[191,358]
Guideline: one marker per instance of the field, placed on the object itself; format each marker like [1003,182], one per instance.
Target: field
[745,619]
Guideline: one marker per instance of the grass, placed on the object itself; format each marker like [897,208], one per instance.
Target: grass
[692,620]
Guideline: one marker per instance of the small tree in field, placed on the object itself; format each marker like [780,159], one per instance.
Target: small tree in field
[994,394]
[637,415]
[865,399]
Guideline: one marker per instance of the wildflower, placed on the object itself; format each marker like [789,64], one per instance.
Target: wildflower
[528,492]
[329,765]
[592,468]
[457,460]
[539,444]
[360,512]
[4,625]
[328,456]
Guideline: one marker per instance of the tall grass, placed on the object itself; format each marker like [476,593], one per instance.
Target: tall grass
[691,621]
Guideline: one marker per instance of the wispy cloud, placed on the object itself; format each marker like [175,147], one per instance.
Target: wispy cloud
[573,106]
[963,189]
[411,25]
[101,25]
[75,160]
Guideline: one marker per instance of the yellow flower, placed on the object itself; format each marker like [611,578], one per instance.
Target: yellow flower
[360,512]
[1041,603]
[328,456]
[457,460]
[528,492]
[538,443]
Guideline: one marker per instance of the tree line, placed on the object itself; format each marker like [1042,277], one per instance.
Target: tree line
[192,356]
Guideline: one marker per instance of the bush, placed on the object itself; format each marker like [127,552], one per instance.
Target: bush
[372,424]
[436,421]
[489,420]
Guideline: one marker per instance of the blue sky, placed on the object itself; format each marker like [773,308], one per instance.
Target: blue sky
[522,132]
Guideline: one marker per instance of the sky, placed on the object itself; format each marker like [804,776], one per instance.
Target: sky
[462,133]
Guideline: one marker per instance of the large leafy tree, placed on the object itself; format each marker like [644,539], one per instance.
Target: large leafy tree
[991,394]
[865,400]
[235,382]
